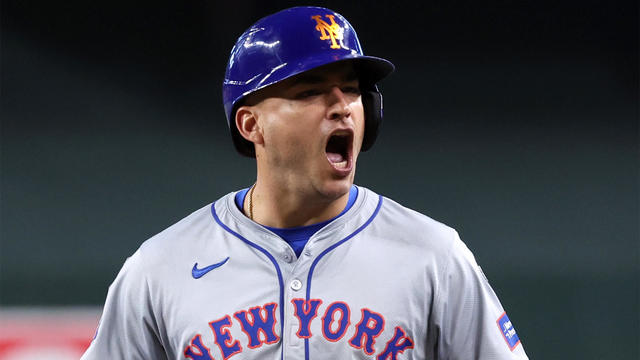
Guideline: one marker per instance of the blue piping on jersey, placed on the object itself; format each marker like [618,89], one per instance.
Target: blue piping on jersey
[273,260]
[325,252]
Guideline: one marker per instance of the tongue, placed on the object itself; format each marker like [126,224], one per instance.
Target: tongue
[335,157]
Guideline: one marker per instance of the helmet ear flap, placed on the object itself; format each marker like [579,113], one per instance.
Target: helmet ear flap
[372,106]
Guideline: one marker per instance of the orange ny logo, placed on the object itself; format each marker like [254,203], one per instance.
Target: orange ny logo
[331,31]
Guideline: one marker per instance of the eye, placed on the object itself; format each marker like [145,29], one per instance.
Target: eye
[351,90]
[307,93]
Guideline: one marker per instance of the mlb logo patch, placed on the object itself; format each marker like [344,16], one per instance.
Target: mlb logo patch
[508,332]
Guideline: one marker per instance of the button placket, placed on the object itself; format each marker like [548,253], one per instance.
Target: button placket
[295,289]
[293,346]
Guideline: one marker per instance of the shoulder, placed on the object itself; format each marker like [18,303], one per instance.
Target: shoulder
[428,243]
[180,242]
[412,228]
[405,217]
[184,232]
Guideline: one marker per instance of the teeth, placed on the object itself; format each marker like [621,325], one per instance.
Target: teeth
[341,165]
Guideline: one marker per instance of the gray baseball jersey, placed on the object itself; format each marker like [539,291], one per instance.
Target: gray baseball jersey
[379,282]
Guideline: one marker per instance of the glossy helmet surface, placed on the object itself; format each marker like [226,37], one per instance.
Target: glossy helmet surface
[291,42]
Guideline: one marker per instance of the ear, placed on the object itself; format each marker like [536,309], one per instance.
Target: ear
[247,124]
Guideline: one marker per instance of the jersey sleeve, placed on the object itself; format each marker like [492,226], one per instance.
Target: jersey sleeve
[127,328]
[470,321]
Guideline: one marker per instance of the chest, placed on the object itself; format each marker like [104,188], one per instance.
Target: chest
[350,302]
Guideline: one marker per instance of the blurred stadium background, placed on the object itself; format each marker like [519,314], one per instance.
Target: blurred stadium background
[514,122]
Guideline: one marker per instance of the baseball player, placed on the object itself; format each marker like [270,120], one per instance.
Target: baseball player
[303,264]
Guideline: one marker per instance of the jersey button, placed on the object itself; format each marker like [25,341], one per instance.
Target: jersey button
[288,258]
[307,252]
[296,284]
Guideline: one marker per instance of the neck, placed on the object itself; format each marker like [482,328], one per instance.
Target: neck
[282,207]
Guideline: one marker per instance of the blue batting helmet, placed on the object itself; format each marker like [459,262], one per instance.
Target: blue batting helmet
[291,42]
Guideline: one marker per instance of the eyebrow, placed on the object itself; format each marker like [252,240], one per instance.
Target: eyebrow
[317,79]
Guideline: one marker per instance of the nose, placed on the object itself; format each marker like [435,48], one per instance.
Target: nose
[338,104]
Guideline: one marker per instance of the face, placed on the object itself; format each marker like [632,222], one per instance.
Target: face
[311,129]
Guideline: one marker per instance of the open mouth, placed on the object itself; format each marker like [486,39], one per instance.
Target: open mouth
[339,150]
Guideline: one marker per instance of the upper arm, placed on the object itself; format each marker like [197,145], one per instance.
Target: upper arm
[128,328]
[467,310]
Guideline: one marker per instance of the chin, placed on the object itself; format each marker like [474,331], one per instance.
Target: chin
[336,188]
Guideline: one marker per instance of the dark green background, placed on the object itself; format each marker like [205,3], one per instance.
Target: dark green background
[514,122]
